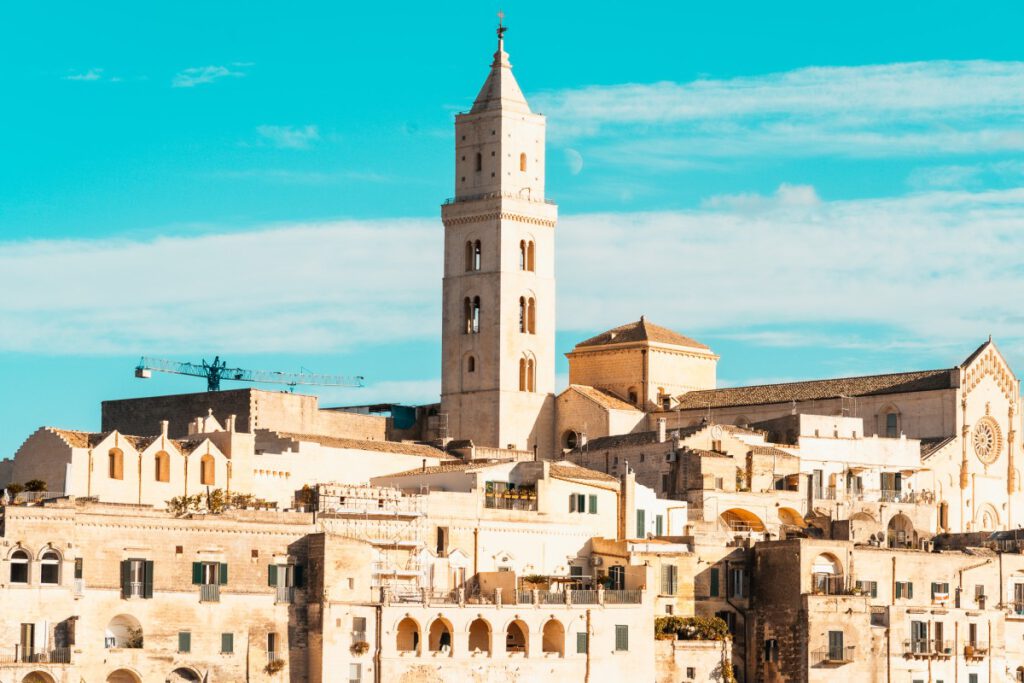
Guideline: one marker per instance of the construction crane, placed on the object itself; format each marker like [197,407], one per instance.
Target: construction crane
[217,370]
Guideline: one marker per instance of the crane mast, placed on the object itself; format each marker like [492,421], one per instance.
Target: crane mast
[218,370]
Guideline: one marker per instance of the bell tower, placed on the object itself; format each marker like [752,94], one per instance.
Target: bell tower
[498,292]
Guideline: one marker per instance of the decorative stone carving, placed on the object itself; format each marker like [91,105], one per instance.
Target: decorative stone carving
[987,440]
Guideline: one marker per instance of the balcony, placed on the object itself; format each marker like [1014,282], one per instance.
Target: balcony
[931,648]
[133,589]
[830,584]
[1016,609]
[976,650]
[209,592]
[497,501]
[28,655]
[825,493]
[79,587]
[833,656]
[285,594]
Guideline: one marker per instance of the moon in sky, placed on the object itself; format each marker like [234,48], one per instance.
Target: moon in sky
[575,161]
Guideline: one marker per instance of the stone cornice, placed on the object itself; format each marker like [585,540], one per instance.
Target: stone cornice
[501,216]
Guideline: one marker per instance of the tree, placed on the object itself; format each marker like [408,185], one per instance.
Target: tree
[35,485]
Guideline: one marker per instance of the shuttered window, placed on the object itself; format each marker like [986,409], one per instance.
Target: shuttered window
[669,575]
[227,643]
[714,582]
[592,509]
[641,524]
[621,638]
[581,643]
[184,641]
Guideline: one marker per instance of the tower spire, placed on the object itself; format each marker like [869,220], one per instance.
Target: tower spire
[500,90]
[501,57]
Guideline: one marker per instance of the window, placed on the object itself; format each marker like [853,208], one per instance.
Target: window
[184,641]
[581,643]
[471,364]
[442,541]
[664,483]
[633,397]
[979,592]
[836,651]
[284,575]
[529,256]
[477,255]
[522,163]
[621,638]
[19,566]
[577,502]
[972,678]
[575,570]
[592,508]
[522,314]
[714,589]
[162,466]
[527,374]
[616,577]
[669,579]
[115,464]
[892,429]
[206,470]
[691,672]
[659,524]
[869,588]
[227,643]
[78,568]
[940,591]
[904,589]
[49,570]
[209,573]
[972,634]
[729,617]
[737,582]
[572,439]
[918,637]
[771,650]
[641,524]
[479,161]
[522,254]
[472,311]
[531,316]
[136,578]
[355,673]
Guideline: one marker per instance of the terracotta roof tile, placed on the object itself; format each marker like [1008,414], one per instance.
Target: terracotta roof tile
[399,447]
[930,447]
[636,439]
[869,385]
[771,450]
[452,466]
[641,331]
[566,470]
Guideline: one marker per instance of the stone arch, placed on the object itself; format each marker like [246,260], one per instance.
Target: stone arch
[738,519]
[517,637]
[407,635]
[115,463]
[162,466]
[570,439]
[890,421]
[124,630]
[480,635]
[184,674]
[38,677]
[987,518]
[440,636]
[18,561]
[900,532]
[50,561]
[553,637]
[827,574]
[742,421]
[207,470]
[791,517]
[123,676]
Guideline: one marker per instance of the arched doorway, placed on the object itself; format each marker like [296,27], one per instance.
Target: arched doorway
[124,630]
[480,636]
[407,638]
[553,638]
[38,677]
[827,575]
[439,637]
[517,638]
[900,532]
[123,676]
[183,675]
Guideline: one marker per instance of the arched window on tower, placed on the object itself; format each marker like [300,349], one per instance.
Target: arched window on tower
[472,315]
[529,257]
[471,364]
[522,162]
[522,374]
[479,161]
[531,316]
[469,256]
[522,254]
[522,314]
[531,373]
[162,466]
[477,255]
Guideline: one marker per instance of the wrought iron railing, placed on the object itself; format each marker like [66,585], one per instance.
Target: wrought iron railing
[209,592]
[497,501]
[833,655]
[623,597]
[285,594]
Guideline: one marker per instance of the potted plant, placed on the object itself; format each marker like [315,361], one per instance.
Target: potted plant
[360,647]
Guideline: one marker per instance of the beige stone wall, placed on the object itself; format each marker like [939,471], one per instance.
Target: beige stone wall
[674,659]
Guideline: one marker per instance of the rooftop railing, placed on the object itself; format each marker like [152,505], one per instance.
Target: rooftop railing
[496,195]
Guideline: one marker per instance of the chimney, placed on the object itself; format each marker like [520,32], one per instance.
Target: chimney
[164,424]
[424,465]
[230,423]
[661,429]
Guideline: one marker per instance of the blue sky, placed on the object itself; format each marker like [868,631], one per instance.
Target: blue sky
[813,189]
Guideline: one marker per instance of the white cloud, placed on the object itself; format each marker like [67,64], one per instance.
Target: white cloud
[916,109]
[198,75]
[289,137]
[939,267]
[90,75]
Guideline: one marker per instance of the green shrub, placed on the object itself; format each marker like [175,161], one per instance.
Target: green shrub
[35,485]
[690,628]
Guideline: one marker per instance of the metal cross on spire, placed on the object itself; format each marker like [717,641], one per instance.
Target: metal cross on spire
[501,25]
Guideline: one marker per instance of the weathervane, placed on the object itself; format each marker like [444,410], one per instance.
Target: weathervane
[501,26]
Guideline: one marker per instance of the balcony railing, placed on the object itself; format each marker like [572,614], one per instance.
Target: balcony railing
[20,653]
[976,649]
[583,597]
[1016,608]
[285,594]
[626,597]
[927,647]
[79,587]
[273,657]
[497,501]
[495,195]
[825,493]
[209,592]
[134,589]
[833,656]
[829,584]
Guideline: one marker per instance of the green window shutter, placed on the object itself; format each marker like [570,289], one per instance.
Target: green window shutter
[184,641]
[874,589]
[714,582]
[78,567]
[147,579]
[935,589]
[910,589]
[593,504]
[223,573]
[581,503]
[227,643]
[126,576]
[659,522]
[271,575]
[641,525]
[300,576]
[621,638]
[197,573]
[581,643]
